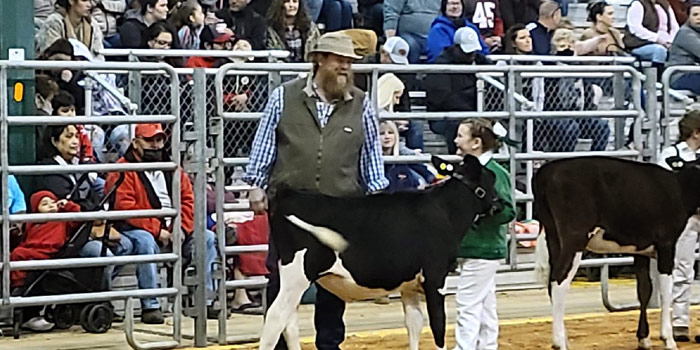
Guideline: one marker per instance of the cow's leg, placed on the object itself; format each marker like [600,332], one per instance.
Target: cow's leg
[436,306]
[665,256]
[293,283]
[291,332]
[413,316]
[641,269]
[559,290]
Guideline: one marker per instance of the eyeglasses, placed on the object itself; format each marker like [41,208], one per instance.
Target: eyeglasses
[163,43]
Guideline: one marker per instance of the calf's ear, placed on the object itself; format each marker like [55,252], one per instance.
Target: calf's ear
[443,168]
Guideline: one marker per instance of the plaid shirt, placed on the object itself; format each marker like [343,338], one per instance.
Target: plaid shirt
[264,151]
[294,44]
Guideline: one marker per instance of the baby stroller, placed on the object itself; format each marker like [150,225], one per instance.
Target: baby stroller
[93,317]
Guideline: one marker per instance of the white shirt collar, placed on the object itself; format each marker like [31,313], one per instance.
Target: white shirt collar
[485,157]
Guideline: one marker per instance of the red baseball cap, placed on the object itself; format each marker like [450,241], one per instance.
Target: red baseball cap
[223,37]
[149,130]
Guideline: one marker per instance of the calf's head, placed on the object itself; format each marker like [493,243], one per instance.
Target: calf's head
[476,178]
[688,174]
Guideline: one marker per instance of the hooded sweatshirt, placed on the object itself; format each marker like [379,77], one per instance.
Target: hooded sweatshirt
[42,240]
[442,34]
[131,32]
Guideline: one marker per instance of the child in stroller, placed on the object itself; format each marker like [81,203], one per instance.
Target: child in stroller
[61,240]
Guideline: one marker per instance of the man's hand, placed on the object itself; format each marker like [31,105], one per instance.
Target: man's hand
[239,102]
[258,200]
[66,75]
[165,237]
[61,203]
[493,41]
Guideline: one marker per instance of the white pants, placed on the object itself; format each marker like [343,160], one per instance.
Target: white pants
[683,272]
[477,319]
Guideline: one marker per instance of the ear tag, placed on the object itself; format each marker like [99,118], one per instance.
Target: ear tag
[450,167]
[443,166]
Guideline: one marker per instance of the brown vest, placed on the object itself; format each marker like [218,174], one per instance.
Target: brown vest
[650,21]
[323,160]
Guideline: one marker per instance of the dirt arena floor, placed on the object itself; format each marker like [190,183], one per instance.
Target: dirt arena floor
[590,332]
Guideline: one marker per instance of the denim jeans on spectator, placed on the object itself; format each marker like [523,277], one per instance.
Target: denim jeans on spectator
[93,249]
[140,242]
[414,135]
[416,44]
[211,254]
[448,129]
[564,5]
[651,52]
[374,18]
[336,15]
[688,81]
[314,7]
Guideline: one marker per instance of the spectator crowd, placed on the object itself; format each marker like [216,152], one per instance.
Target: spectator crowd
[405,32]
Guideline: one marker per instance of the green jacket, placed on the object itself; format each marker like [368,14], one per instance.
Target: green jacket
[487,238]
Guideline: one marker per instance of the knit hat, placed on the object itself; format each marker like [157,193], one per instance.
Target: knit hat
[38,196]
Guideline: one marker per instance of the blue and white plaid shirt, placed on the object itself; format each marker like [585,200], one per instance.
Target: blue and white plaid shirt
[264,151]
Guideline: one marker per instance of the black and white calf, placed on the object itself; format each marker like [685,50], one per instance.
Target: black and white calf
[367,247]
[608,205]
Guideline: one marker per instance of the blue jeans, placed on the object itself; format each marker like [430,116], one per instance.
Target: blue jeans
[336,15]
[416,44]
[314,7]
[140,242]
[211,255]
[414,135]
[93,249]
[652,52]
[688,81]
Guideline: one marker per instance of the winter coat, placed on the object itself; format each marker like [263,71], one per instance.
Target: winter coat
[451,92]
[54,28]
[275,42]
[63,184]
[685,49]
[132,194]
[442,33]
[246,24]
[107,14]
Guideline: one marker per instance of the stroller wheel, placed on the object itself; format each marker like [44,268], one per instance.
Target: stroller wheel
[96,318]
[63,316]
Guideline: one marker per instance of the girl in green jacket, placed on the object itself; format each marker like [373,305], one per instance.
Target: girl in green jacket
[483,246]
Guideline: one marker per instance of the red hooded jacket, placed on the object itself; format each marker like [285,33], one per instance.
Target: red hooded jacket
[42,240]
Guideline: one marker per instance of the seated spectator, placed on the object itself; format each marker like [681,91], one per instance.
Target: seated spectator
[63,148]
[108,14]
[64,105]
[212,40]
[454,92]
[290,28]
[45,90]
[402,177]
[71,20]
[562,134]
[15,196]
[68,80]
[651,27]
[518,12]
[188,21]
[602,15]
[151,190]
[519,42]
[542,30]
[160,36]
[685,50]
[486,15]
[372,12]
[442,31]
[137,21]
[336,15]
[389,91]
[245,23]
[411,21]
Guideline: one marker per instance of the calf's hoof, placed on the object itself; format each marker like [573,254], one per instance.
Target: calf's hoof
[644,343]
[669,344]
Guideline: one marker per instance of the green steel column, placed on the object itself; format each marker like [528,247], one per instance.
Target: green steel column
[17,31]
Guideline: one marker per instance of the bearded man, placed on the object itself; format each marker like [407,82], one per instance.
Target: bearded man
[317,134]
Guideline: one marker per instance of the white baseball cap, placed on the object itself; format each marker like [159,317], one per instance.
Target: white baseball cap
[468,39]
[397,48]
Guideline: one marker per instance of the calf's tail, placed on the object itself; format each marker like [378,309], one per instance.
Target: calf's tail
[542,259]
[328,237]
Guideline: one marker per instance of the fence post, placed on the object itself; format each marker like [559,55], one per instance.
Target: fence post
[216,129]
[198,166]
[512,164]
[4,163]
[651,109]
[619,98]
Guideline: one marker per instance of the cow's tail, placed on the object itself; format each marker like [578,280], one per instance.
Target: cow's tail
[542,259]
[328,237]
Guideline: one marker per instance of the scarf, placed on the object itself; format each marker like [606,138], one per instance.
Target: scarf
[83,32]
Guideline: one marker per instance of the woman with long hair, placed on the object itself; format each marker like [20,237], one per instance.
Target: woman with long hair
[602,16]
[290,28]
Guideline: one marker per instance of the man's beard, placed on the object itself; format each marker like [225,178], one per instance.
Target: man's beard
[332,86]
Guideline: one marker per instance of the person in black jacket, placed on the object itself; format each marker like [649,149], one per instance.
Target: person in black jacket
[137,21]
[245,23]
[454,92]
[518,12]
